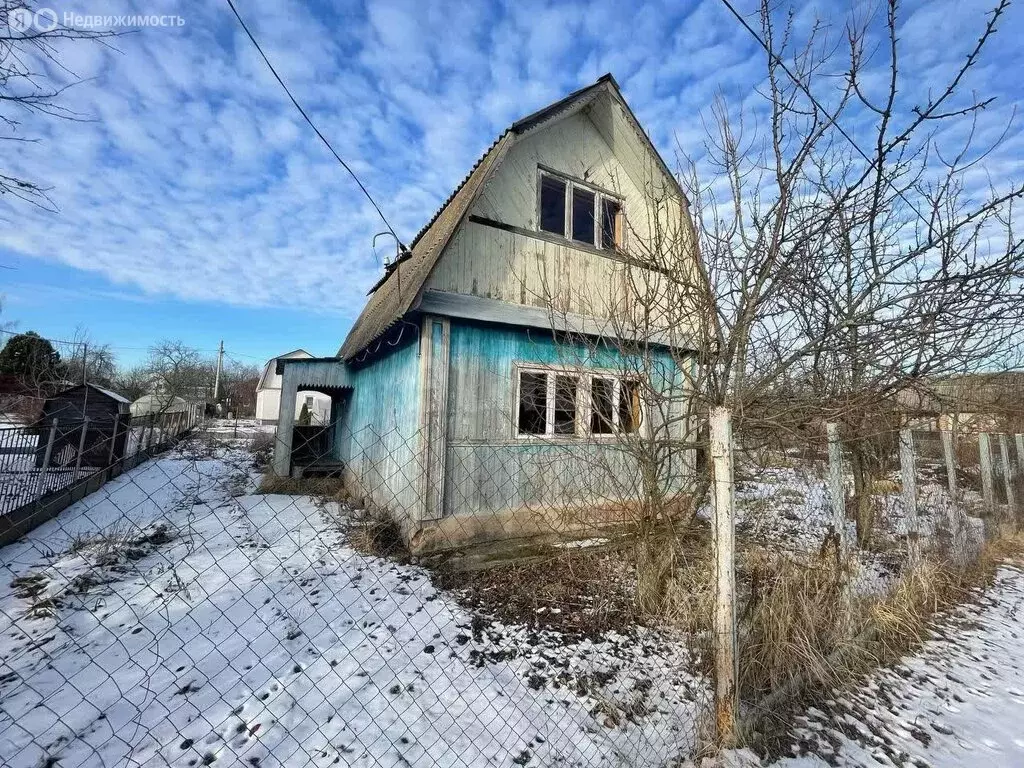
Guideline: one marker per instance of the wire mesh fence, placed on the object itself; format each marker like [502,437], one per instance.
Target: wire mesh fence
[201,610]
[816,569]
[40,460]
[514,604]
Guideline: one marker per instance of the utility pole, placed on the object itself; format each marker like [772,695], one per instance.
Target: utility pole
[216,378]
[85,363]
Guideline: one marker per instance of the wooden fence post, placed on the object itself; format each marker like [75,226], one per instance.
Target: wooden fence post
[950,456]
[46,460]
[908,473]
[1019,439]
[113,442]
[81,447]
[985,456]
[836,489]
[726,659]
[1004,455]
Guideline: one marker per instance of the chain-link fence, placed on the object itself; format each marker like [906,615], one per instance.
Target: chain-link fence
[843,554]
[200,609]
[513,604]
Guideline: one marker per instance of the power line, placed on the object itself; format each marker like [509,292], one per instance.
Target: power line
[313,126]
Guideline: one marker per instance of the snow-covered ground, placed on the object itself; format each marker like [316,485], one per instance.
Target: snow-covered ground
[175,619]
[959,701]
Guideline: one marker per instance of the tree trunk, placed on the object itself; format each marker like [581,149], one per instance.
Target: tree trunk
[865,513]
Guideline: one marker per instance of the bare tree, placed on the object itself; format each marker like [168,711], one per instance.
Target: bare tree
[844,277]
[86,360]
[133,382]
[822,282]
[33,81]
[177,370]
[238,384]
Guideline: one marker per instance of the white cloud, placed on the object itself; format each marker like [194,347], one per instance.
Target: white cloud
[197,179]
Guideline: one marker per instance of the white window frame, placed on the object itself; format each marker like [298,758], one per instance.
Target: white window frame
[599,196]
[584,402]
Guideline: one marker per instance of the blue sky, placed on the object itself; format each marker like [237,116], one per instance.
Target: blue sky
[196,205]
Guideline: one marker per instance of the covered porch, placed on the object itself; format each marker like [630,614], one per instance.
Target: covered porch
[302,449]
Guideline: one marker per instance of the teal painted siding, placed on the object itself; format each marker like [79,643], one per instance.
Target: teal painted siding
[379,433]
[489,469]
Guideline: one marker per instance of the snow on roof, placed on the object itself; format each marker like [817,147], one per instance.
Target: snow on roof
[110,393]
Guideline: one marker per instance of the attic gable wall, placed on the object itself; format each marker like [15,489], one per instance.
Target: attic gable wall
[523,266]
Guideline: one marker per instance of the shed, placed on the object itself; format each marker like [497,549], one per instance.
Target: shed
[102,414]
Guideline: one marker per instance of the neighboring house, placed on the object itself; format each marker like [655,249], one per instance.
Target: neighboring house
[485,377]
[268,394]
[968,403]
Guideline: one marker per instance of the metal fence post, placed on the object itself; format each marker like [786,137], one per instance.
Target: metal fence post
[1004,455]
[950,456]
[985,455]
[46,460]
[836,490]
[908,473]
[726,659]
[81,447]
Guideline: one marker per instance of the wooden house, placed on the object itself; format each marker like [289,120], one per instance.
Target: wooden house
[103,415]
[489,384]
[268,394]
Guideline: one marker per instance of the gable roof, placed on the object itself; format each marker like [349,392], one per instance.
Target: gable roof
[271,364]
[397,291]
[105,392]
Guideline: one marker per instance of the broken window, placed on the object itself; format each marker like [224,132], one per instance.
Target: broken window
[551,404]
[611,223]
[602,406]
[630,414]
[565,404]
[583,215]
[533,403]
[552,204]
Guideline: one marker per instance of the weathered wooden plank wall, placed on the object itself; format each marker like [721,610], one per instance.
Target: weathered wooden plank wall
[522,266]
[379,434]
[488,469]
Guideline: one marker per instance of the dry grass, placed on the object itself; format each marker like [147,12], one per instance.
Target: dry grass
[378,537]
[689,600]
[884,486]
[791,623]
[262,448]
[799,638]
[331,488]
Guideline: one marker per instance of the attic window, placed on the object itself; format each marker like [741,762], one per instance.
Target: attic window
[583,215]
[578,212]
[552,205]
